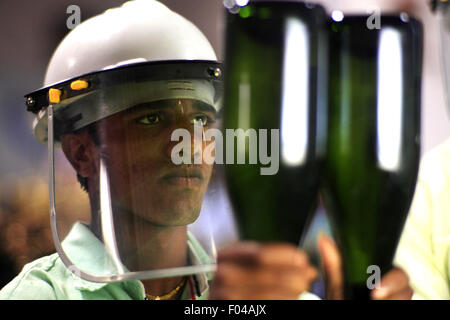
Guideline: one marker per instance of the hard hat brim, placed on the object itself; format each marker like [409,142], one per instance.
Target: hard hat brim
[83,88]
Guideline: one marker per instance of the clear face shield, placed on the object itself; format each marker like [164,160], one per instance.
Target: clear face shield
[443,14]
[134,190]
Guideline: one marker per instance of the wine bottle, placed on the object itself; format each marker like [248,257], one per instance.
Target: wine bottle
[373,141]
[274,68]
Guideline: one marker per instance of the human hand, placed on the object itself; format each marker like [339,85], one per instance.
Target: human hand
[394,285]
[251,271]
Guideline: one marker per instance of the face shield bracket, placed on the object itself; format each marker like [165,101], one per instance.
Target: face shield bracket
[39,100]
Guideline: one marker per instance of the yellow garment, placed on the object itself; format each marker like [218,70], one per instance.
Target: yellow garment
[424,248]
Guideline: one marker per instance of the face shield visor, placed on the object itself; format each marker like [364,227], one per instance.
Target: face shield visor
[134,193]
[443,14]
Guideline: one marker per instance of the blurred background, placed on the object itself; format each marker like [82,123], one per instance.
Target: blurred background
[29,33]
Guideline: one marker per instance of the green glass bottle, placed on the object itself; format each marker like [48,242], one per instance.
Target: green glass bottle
[275,63]
[373,143]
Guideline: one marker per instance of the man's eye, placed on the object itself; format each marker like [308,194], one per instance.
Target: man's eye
[149,119]
[202,120]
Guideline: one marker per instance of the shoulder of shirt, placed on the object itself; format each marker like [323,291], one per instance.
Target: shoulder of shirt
[34,281]
[48,278]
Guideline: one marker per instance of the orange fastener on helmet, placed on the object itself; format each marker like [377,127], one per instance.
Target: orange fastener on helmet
[79,85]
[54,95]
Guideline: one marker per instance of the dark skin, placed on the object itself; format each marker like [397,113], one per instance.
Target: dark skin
[273,271]
[155,226]
[153,200]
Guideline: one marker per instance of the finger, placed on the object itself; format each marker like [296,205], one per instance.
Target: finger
[393,283]
[290,279]
[332,265]
[251,253]
[405,294]
[258,290]
[241,248]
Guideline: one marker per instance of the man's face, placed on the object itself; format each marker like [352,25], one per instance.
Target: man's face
[135,149]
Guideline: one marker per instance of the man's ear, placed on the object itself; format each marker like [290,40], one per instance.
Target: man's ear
[80,150]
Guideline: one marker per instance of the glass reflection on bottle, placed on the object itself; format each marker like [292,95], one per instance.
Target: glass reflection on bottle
[274,70]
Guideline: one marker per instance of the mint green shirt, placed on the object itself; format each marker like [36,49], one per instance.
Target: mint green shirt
[48,278]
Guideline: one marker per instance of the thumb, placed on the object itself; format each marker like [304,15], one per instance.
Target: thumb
[332,265]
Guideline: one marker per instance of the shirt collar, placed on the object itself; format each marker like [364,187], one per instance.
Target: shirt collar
[88,253]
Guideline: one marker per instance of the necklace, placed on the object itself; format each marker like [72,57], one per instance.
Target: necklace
[167,296]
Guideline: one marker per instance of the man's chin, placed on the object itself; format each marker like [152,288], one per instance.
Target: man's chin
[179,216]
[178,213]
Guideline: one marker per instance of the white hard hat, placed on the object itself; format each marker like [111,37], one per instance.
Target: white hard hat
[139,32]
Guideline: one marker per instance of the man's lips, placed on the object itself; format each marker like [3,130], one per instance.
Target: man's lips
[183,177]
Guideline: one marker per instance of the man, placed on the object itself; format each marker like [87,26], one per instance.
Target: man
[136,74]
